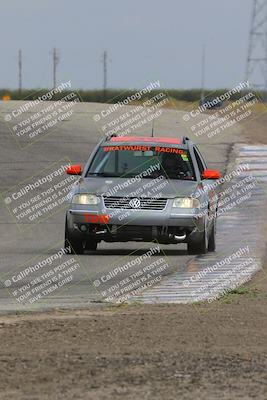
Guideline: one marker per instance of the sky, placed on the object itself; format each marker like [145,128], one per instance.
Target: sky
[146,41]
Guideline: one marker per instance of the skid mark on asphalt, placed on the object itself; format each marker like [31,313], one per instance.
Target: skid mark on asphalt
[240,243]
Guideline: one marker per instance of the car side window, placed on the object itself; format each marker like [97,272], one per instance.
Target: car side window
[200,164]
[201,158]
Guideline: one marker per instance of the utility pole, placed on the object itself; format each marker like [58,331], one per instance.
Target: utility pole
[20,72]
[203,66]
[256,66]
[105,71]
[56,58]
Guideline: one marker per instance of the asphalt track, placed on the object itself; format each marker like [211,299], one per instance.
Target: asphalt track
[74,138]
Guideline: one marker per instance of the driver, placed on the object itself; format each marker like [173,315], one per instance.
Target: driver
[172,165]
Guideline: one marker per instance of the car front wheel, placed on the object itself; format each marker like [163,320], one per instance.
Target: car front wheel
[73,245]
[212,241]
[200,246]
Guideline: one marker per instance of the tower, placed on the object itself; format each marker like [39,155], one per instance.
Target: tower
[256,67]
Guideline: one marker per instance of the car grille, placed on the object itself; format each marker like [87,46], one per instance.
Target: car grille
[135,203]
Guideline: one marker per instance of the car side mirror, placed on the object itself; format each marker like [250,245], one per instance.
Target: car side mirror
[74,170]
[211,174]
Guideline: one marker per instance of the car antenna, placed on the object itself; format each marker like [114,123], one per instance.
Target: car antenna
[152,132]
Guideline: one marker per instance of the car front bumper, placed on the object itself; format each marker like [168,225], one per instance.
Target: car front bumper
[128,224]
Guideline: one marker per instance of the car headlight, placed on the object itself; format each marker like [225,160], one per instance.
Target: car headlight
[85,198]
[185,202]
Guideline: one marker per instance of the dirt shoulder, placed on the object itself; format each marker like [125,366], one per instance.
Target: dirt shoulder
[206,351]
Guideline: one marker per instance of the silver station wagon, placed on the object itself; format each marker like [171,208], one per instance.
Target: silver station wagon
[143,189]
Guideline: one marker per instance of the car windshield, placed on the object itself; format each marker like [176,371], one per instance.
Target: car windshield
[147,161]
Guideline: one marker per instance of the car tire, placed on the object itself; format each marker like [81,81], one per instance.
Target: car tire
[212,239]
[91,245]
[199,247]
[75,244]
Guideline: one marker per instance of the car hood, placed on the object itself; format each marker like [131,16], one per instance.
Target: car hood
[130,187]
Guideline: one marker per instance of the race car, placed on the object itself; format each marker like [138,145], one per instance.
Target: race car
[143,189]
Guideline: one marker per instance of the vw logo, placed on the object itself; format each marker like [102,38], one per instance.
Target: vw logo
[135,203]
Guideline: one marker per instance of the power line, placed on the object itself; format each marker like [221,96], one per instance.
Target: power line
[104,60]
[256,65]
[203,66]
[20,70]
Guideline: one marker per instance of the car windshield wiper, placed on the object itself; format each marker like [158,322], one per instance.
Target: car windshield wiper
[105,174]
[182,179]
[153,176]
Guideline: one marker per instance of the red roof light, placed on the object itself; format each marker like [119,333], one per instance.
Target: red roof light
[146,139]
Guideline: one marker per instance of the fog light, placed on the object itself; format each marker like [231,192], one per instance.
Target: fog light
[83,228]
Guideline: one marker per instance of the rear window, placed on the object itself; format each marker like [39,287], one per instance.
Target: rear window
[126,161]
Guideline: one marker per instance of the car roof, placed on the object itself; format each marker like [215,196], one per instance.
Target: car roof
[142,139]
